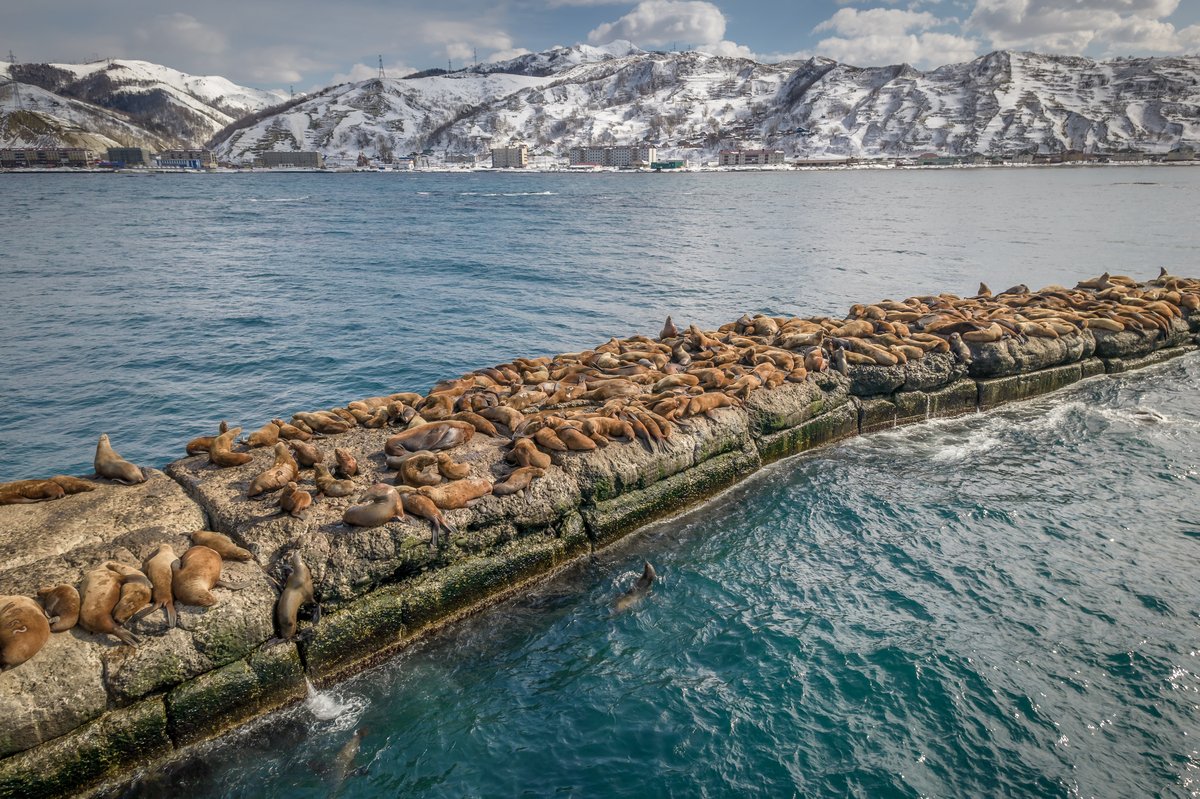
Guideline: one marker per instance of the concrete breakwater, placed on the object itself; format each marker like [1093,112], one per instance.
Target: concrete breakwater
[86,708]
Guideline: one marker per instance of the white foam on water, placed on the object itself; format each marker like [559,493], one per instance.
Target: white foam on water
[280,199]
[335,710]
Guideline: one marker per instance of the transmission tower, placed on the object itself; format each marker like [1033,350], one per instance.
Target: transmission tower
[12,76]
[381,75]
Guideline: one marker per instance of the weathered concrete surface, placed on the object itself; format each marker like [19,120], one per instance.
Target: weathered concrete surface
[220,699]
[1116,365]
[792,404]
[1010,356]
[1014,388]
[377,624]
[117,742]
[615,518]
[909,407]
[834,425]
[106,518]
[934,371]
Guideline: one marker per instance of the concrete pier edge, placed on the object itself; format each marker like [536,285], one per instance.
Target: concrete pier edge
[173,720]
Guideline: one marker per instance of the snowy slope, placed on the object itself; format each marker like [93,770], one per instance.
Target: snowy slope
[134,102]
[1001,103]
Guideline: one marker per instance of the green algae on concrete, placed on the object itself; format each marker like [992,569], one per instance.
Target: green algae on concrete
[116,742]
[999,390]
[1118,365]
[223,698]
[835,425]
[607,521]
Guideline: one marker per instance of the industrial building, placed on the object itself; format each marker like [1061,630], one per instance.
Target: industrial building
[130,156]
[185,159]
[300,159]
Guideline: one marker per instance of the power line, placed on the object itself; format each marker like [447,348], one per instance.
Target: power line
[381,75]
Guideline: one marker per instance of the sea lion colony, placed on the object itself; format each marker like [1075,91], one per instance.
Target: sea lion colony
[632,392]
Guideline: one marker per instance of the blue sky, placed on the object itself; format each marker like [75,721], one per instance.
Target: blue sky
[311,43]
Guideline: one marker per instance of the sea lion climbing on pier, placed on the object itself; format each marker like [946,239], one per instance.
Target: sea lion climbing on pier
[297,592]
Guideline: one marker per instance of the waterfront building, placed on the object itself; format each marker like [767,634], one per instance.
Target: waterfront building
[621,157]
[751,157]
[301,159]
[45,157]
[675,164]
[129,156]
[514,156]
[186,159]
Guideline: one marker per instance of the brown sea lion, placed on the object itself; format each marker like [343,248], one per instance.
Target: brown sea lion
[20,492]
[221,453]
[283,471]
[668,329]
[195,575]
[330,487]
[451,469]
[24,629]
[423,507]
[293,501]
[136,591]
[112,466]
[525,453]
[383,504]
[639,590]
[432,436]
[62,606]
[307,455]
[204,443]
[458,494]
[265,436]
[290,432]
[160,568]
[222,544]
[73,485]
[419,469]
[297,592]
[347,464]
[99,593]
[519,480]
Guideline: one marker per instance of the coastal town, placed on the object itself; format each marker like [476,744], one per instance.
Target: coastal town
[518,156]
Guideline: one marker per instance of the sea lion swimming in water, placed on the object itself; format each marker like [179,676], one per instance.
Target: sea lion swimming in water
[634,595]
[111,465]
[24,630]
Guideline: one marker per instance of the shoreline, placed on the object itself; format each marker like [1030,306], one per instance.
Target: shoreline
[382,589]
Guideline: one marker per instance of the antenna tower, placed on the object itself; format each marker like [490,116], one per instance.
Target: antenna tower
[449,65]
[381,75]
[12,60]
[475,55]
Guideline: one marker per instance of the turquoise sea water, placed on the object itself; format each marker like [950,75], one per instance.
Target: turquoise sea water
[1000,605]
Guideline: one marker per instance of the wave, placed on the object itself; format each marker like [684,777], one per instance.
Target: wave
[279,199]
[333,711]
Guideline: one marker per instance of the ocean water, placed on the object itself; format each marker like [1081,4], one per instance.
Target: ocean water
[999,605]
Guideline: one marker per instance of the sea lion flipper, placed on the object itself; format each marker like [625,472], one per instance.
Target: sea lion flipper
[172,618]
[231,586]
[125,636]
[316,614]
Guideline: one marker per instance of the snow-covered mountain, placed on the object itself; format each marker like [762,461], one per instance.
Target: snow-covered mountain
[693,102]
[124,102]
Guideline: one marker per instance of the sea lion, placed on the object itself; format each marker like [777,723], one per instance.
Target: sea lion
[283,471]
[195,575]
[111,465]
[347,464]
[960,348]
[20,492]
[221,453]
[297,592]
[62,606]
[307,455]
[160,568]
[519,480]
[345,759]
[525,453]
[451,469]
[99,594]
[136,592]
[265,436]
[290,432]
[668,329]
[24,629]
[421,506]
[293,501]
[204,443]
[419,469]
[383,504]
[73,485]
[222,544]
[458,494]
[432,436]
[840,363]
[329,486]
[639,590]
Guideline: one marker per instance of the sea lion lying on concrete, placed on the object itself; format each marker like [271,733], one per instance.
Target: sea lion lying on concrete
[383,504]
[24,630]
[99,594]
[62,606]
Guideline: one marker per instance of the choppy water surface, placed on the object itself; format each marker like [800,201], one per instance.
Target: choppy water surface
[1003,604]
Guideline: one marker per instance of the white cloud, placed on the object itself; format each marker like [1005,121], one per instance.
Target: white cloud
[367,71]
[658,22]
[891,36]
[1104,27]
[505,55]
[183,33]
[462,40]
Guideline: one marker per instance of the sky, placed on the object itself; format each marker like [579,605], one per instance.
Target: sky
[308,44]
